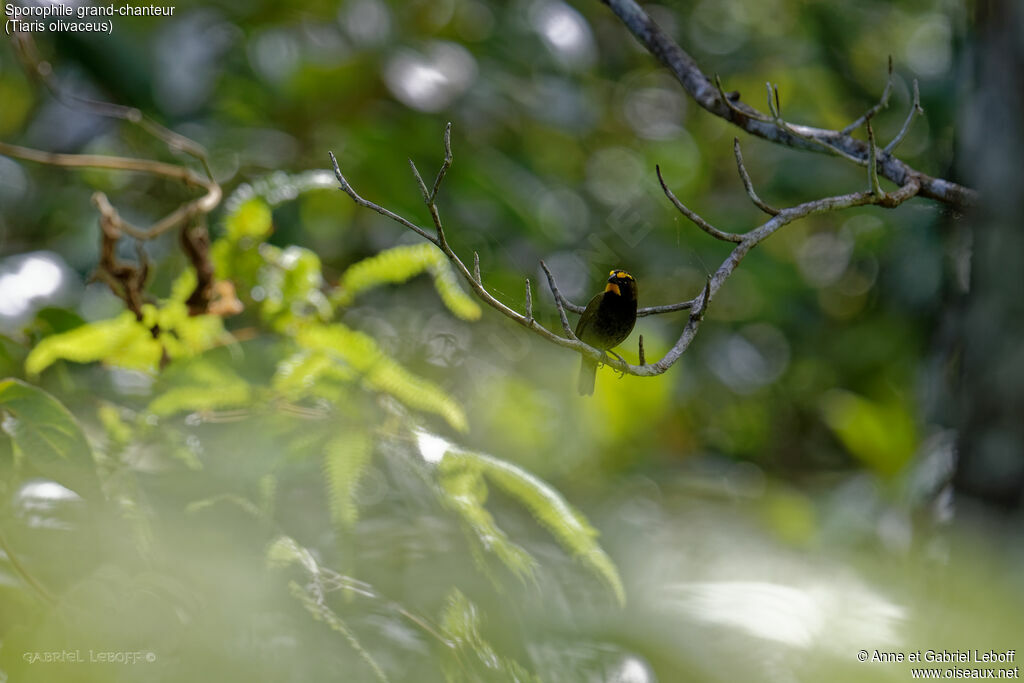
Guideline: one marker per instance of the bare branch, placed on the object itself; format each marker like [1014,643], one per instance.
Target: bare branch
[159,168]
[873,185]
[883,102]
[703,91]
[915,110]
[446,164]
[379,209]
[697,306]
[747,184]
[670,308]
[643,359]
[419,181]
[558,302]
[705,299]
[697,220]
[529,301]
[728,99]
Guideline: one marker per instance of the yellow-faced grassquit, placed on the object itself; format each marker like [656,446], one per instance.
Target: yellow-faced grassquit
[606,322]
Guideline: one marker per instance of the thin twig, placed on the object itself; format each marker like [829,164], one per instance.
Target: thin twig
[558,302]
[27,51]
[476,267]
[883,102]
[643,359]
[446,164]
[149,166]
[697,306]
[705,298]
[529,301]
[669,308]
[747,183]
[379,209]
[419,181]
[915,110]
[873,185]
[685,69]
[697,220]
[748,113]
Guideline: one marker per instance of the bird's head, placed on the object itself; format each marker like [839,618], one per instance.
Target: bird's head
[621,283]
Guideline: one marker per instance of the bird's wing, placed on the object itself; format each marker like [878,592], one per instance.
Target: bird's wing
[587,317]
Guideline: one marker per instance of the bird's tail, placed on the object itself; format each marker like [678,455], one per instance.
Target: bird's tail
[588,373]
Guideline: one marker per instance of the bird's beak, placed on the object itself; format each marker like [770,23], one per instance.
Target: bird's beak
[612,287]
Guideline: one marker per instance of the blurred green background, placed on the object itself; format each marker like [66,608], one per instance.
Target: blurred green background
[776,502]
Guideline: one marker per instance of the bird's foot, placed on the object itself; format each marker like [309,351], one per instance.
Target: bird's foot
[620,373]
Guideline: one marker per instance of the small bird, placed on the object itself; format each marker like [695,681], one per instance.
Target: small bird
[606,322]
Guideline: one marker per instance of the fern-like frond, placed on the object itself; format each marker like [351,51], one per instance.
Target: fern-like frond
[379,371]
[120,341]
[465,493]
[126,342]
[345,460]
[461,624]
[284,552]
[277,188]
[200,384]
[547,505]
[398,265]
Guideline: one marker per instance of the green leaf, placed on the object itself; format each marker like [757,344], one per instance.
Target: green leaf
[379,371]
[200,384]
[251,219]
[122,341]
[465,492]
[345,460]
[46,436]
[126,342]
[447,285]
[312,373]
[399,264]
[291,282]
[547,506]
[285,551]
[461,624]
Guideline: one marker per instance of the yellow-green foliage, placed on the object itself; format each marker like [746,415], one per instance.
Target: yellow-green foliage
[312,373]
[252,219]
[465,493]
[121,341]
[345,459]
[460,623]
[46,437]
[399,264]
[291,280]
[200,384]
[127,343]
[118,431]
[463,474]
[380,372]
[284,552]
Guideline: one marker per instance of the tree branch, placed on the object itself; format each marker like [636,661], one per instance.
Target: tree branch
[697,220]
[713,99]
[748,184]
[697,306]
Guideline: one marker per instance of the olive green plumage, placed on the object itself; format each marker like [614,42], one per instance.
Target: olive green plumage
[606,322]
